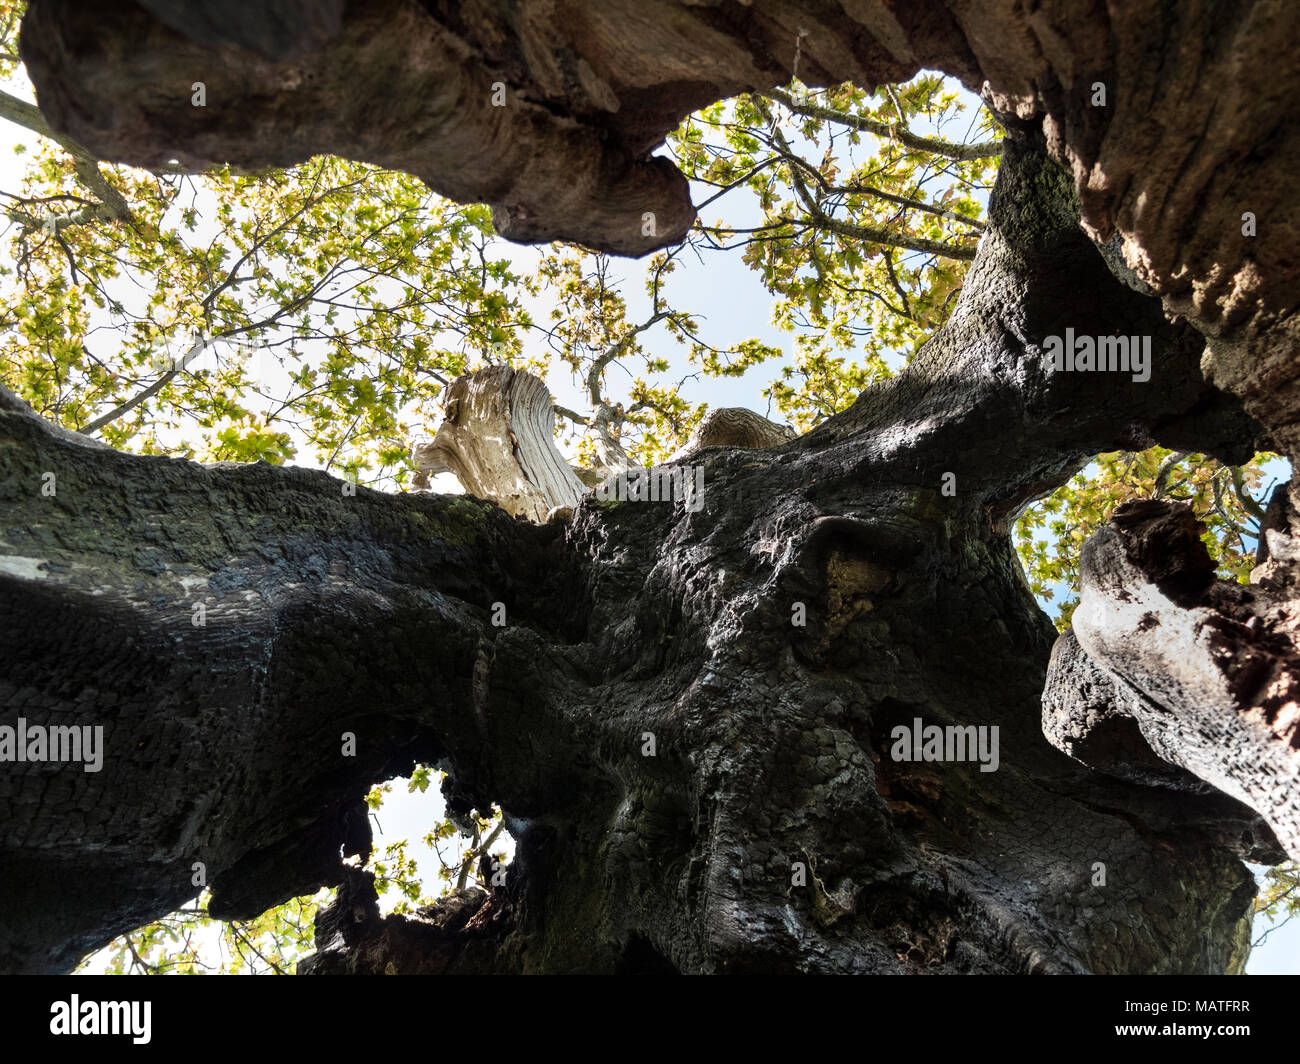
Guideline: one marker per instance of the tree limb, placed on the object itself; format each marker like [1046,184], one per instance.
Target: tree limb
[112,204]
[933,145]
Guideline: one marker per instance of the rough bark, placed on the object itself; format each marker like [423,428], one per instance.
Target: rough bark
[223,739]
[332,613]
[734,426]
[772,740]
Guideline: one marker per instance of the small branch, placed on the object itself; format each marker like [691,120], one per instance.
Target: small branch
[897,240]
[467,859]
[481,852]
[1243,496]
[849,229]
[1222,510]
[147,968]
[738,181]
[244,938]
[1162,474]
[957,152]
[577,419]
[145,394]
[904,201]
[898,105]
[893,280]
[614,351]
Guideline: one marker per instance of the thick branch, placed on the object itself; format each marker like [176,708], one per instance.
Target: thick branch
[229,599]
[1035,434]
[1209,669]
[112,205]
[773,739]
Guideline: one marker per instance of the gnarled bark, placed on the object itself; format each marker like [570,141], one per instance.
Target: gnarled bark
[734,426]
[773,740]
[1207,670]
[226,626]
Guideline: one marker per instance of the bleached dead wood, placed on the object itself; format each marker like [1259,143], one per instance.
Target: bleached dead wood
[498,439]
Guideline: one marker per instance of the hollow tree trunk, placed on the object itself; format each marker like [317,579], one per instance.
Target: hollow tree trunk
[772,829]
[773,742]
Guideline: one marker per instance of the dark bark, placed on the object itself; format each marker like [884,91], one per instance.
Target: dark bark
[325,612]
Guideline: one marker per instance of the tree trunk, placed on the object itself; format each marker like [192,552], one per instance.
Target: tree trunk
[692,717]
[772,762]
